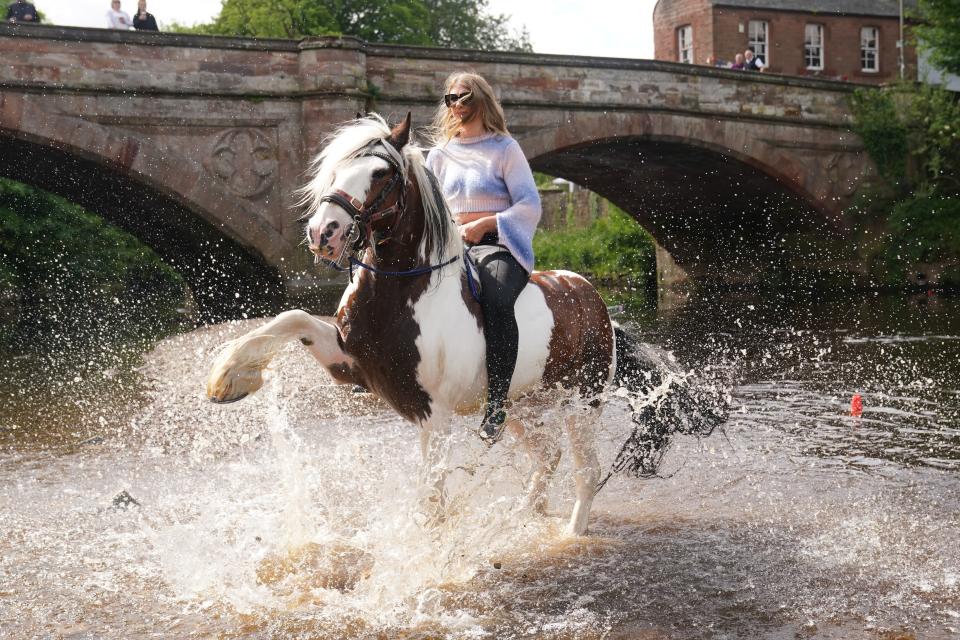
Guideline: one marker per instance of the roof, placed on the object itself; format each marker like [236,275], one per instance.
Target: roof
[837,7]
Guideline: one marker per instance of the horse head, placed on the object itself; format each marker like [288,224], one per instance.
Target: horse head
[360,195]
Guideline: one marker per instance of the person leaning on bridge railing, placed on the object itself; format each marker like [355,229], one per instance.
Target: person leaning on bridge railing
[752,62]
[21,11]
[143,21]
[117,18]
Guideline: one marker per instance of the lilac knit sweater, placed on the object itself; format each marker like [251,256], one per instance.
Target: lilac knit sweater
[490,173]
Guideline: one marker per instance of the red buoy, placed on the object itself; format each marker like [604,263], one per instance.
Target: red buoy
[856,405]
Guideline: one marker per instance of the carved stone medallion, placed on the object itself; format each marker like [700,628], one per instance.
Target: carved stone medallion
[245,160]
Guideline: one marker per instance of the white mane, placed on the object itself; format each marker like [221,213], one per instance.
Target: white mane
[347,143]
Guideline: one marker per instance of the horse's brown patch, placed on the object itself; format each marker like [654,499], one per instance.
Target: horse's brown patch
[376,321]
[581,344]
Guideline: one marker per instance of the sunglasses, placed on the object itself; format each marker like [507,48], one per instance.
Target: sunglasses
[451,98]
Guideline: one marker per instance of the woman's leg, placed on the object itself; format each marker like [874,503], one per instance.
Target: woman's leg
[502,279]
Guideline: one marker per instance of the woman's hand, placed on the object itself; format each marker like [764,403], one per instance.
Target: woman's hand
[473,232]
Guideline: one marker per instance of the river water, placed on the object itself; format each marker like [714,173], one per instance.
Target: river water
[293,514]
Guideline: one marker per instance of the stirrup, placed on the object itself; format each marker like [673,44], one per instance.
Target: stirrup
[491,429]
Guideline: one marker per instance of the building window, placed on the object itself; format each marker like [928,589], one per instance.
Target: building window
[758,39]
[870,49]
[813,47]
[685,44]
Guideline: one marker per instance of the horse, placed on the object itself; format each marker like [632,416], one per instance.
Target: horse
[409,329]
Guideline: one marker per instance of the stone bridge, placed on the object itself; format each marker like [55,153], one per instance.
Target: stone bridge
[197,144]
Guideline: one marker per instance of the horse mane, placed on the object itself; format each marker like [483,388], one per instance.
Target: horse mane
[349,142]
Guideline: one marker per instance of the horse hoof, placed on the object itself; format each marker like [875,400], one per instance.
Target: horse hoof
[230,401]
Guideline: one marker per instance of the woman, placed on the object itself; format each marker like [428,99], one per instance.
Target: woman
[142,19]
[490,190]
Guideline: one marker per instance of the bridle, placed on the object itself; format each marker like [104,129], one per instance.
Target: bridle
[365,215]
[360,233]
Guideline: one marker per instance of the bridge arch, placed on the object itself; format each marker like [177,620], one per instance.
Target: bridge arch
[159,197]
[723,196]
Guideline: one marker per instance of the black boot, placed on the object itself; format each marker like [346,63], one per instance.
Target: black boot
[494,421]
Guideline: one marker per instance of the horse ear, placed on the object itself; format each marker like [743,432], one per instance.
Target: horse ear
[400,135]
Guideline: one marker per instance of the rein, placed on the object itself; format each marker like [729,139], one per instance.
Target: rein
[416,271]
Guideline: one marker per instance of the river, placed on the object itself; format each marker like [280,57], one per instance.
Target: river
[292,514]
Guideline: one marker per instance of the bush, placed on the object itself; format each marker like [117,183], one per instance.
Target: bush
[927,229]
[913,216]
[882,132]
[67,267]
[613,246]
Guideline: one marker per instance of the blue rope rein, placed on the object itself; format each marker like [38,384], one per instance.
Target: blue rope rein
[418,271]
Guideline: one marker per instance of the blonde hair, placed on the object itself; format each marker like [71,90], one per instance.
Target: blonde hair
[445,124]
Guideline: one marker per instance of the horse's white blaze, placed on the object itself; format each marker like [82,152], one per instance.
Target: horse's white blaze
[354,180]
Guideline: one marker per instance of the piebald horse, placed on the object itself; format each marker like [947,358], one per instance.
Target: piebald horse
[408,327]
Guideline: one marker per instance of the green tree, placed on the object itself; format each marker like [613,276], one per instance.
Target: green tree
[466,24]
[445,23]
[939,32]
[912,132]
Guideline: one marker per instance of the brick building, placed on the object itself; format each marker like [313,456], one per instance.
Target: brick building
[854,40]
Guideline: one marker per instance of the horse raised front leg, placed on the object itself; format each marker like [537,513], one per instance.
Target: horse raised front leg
[238,369]
[586,468]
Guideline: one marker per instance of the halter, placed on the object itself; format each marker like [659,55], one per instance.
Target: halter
[363,215]
[359,234]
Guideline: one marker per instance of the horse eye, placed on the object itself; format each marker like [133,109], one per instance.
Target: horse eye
[379,173]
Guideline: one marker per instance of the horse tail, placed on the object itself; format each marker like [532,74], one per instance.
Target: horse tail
[629,366]
[663,401]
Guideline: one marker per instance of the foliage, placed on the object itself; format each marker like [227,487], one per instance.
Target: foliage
[913,135]
[884,136]
[613,246]
[939,32]
[108,276]
[927,229]
[933,122]
[544,181]
[466,24]
[446,23]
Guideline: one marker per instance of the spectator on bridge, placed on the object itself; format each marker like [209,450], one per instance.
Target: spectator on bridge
[117,18]
[738,62]
[21,11]
[751,62]
[143,21]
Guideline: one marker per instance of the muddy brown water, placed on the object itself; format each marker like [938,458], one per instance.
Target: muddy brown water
[293,513]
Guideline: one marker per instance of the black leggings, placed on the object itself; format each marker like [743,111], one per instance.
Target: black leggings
[501,281]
